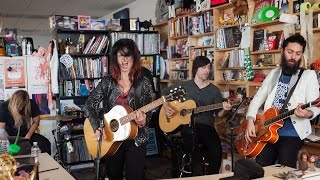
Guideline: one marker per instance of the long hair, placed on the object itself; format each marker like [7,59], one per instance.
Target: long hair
[20,108]
[126,47]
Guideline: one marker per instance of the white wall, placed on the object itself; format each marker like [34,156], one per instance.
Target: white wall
[144,9]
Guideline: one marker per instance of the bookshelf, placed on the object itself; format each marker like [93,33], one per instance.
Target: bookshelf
[87,63]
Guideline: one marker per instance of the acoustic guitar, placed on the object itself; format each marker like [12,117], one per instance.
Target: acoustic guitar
[183,112]
[119,125]
[266,125]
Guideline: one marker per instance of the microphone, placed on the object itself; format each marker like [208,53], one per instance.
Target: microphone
[70,148]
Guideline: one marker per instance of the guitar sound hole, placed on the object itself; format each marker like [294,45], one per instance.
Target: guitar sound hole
[183,112]
[114,125]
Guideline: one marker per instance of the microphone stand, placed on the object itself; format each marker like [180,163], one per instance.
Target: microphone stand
[101,127]
[231,123]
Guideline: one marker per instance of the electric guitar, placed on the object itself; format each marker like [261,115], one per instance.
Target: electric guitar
[266,125]
[183,113]
[119,125]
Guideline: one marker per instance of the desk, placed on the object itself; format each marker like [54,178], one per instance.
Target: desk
[268,172]
[46,162]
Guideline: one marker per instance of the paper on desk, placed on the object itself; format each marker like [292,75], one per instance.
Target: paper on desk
[313,138]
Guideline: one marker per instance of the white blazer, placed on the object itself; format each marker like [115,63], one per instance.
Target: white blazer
[306,91]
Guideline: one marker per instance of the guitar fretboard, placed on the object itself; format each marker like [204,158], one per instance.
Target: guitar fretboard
[210,107]
[145,109]
[287,114]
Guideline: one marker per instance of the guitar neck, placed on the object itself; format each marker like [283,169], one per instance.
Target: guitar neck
[145,109]
[212,107]
[287,114]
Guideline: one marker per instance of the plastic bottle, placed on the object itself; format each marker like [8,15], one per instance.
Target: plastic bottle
[4,142]
[24,47]
[35,150]
[29,48]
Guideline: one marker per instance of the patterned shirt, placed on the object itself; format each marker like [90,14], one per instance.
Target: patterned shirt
[279,99]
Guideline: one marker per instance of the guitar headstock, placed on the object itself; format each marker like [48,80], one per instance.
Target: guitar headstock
[177,94]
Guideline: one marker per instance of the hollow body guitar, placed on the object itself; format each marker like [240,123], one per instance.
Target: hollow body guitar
[266,125]
[183,113]
[119,125]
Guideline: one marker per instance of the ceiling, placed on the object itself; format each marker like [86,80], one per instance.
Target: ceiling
[32,15]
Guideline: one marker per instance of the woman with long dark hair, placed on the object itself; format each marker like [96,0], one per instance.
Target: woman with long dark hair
[126,86]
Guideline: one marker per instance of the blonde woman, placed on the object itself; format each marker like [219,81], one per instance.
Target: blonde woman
[20,112]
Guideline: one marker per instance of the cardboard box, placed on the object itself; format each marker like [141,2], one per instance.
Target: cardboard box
[63,22]
[98,24]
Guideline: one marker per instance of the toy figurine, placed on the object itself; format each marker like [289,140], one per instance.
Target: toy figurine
[303,157]
[311,163]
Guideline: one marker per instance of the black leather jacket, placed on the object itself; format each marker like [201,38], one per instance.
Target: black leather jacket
[108,92]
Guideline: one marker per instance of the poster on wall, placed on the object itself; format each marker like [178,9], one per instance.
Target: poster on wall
[8,92]
[42,101]
[14,73]
[36,82]
[36,79]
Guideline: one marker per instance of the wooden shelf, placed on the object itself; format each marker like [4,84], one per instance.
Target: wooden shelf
[270,23]
[201,35]
[265,52]
[163,49]
[179,37]
[239,83]
[202,47]
[228,26]
[223,6]
[242,68]
[177,59]
[179,69]
[227,49]
[164,80]
[201,12]
[314,30]
[265,67]
[235,83]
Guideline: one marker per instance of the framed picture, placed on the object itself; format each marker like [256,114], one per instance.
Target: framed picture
[84,22]
[133,26]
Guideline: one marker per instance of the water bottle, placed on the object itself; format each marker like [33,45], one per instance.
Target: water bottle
[35,150]
[4,142]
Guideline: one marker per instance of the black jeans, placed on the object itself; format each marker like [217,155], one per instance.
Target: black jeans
[128,155]
[284,152]
[25,144]
[209,138]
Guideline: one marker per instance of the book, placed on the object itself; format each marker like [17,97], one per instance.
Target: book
[258,37]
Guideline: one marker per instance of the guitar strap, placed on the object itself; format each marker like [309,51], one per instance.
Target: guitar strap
[137,91]
[291,91]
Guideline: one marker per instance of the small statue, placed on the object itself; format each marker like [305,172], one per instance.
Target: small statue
[303,158]
[311,163]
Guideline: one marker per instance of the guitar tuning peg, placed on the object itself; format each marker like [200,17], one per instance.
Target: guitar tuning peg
[171,91]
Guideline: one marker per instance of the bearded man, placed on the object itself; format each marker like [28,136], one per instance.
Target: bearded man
[274,93]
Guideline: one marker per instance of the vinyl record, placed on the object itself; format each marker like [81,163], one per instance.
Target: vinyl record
[267,13]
